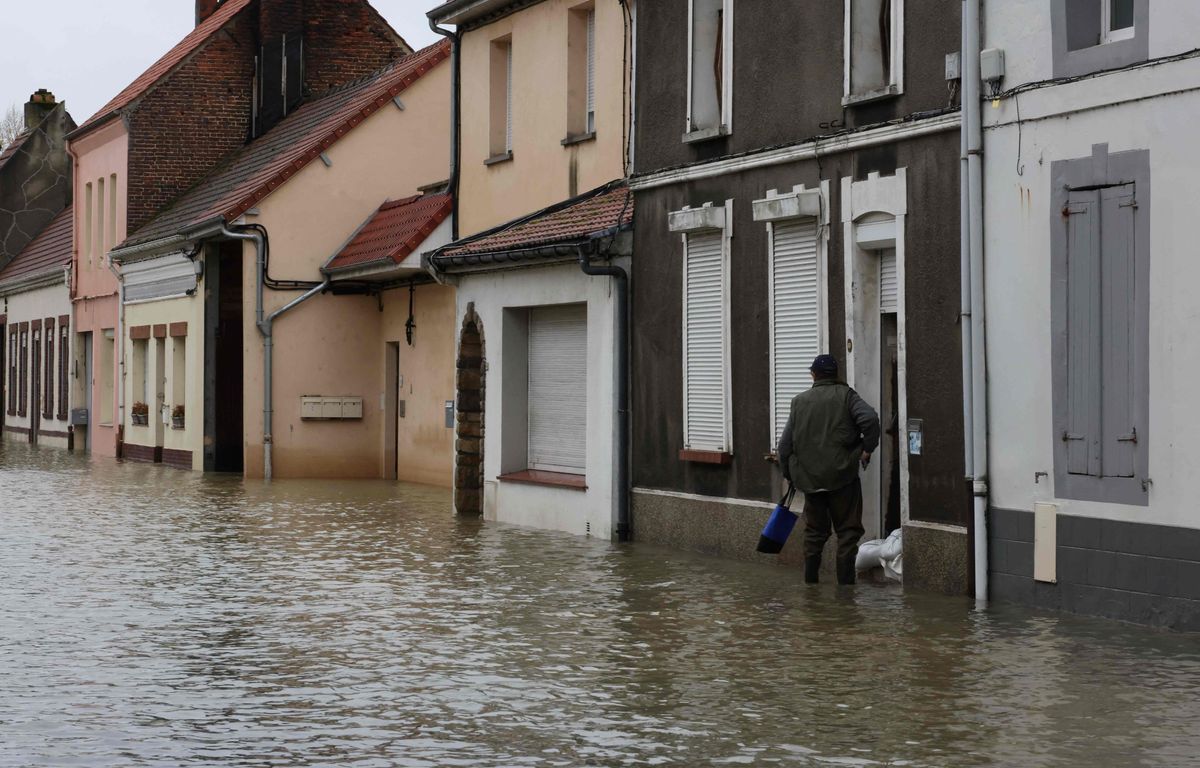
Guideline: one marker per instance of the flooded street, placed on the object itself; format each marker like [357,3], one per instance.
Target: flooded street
[156,617]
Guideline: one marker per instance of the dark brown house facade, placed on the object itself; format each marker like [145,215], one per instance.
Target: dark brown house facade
[796,196]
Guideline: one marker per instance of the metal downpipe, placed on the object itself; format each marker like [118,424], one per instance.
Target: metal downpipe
[979,448]
[455,121]
[621,280]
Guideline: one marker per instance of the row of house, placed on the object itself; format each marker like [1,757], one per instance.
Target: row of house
[297,248]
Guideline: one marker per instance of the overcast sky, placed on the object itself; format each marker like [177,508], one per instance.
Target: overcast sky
[86,51]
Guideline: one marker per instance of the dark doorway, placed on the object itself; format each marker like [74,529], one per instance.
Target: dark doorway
[228,440]
[468,470]
[889,419]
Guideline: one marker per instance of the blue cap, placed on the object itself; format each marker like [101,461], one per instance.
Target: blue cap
[826,365]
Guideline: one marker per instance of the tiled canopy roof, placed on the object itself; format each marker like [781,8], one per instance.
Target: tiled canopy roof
[189,44]
[607,209]
[393,232]
[49,251]
[257,170]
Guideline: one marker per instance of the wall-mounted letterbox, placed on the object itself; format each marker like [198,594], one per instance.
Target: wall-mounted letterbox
[317,407]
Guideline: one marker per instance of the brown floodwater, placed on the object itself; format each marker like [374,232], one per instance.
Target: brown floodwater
[151,617]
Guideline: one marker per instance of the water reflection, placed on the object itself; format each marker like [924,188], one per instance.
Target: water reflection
[154,617]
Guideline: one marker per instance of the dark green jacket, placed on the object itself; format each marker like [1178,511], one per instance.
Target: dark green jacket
[829,428]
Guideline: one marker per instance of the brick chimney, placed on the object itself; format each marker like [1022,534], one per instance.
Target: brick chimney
[206,8]
[40,104]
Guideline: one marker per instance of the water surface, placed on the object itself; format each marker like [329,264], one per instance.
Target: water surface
[151,617]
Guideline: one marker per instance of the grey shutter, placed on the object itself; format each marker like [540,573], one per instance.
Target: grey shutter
[558,388]
[1119,284]
[795,313]
[1083,333]
[508,98]
[704,338]
[591,70]
[888,285]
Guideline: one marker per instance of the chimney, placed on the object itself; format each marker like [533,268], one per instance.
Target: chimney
[206,8]
[40,105]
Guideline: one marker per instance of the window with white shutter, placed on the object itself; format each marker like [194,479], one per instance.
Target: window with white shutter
[706,344]
[500,98]
[710,69]
[591,71]
[508,101]
[558,388]
[795,313]
[888,287]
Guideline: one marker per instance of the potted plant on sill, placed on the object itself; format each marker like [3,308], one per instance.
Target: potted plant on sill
[177,417]
[140,413]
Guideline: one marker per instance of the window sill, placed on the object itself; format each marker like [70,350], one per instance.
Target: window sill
[706,457]
[497,159]
[705,134]
[578,138]
[851,100]
[551,479]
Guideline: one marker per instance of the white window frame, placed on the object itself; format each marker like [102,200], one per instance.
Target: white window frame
[508,98]
[726,126]
[800,203]
[896,85]
[690,221]
[1107,33]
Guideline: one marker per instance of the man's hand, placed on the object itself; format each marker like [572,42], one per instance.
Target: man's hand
[866,459]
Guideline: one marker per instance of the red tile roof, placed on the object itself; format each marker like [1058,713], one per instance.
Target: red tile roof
[188,45]
[393,232]
[13,147]
[606,209]
[48,252]
[257,170]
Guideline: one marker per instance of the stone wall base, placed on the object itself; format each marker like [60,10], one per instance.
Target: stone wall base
[937,558]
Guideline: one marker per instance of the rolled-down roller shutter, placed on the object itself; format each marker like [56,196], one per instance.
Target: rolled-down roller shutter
[795,313]
[558,388]
[887,281]
[705,341]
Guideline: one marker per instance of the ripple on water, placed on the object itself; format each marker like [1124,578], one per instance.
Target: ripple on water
[155,617]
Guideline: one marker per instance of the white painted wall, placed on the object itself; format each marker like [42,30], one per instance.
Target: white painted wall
[24,307]
[1128,111]
[539,506]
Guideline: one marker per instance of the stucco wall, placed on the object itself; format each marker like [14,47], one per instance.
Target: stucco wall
[27,306]
[424,445]
[332,345]
[580,512]
[542,171]
[190,310]
[1018,256]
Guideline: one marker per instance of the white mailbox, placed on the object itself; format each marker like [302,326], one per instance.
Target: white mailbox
[320,407]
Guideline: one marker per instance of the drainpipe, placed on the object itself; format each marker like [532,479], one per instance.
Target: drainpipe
[455,122]
[621,280]
[120,347]
[973,131]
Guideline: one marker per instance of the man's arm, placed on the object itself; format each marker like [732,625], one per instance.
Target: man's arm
[866,420]
[785,449]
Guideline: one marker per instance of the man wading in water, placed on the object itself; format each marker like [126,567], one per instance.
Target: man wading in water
[831,433]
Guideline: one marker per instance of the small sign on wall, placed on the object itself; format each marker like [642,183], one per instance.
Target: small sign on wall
[916,437]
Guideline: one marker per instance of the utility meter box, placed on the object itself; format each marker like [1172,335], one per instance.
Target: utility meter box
[326,408]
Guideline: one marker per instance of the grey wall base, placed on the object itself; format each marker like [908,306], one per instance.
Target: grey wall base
[937,559]
[1146,574]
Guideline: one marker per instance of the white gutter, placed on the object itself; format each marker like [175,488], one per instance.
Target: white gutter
[33,282]
[808,150]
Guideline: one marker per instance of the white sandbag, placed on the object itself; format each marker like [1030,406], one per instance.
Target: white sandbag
[885,553]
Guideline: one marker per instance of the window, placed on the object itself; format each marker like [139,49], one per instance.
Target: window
[1100,337]
[87,223]
[99,247]
[107,351]
[706,412]
[581,72]
[112,211]
[501,125]
[141,371]
[64,349]
[13,381]
[557,405]
[23,352]
[1094,35]
[874,49]
[178,372]
[710,69]
[48,383]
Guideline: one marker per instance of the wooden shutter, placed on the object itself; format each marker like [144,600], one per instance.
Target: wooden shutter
[1118,290]
[705,344]
[888,285]
[508,85]
[1082,435]
[795,313]
[558,388]
[591,71]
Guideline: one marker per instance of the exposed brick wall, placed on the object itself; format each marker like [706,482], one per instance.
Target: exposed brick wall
[191,120]
[344,40]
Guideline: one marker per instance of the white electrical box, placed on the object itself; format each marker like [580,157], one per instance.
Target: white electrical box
[991,65]
[953,66]
[313,407]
